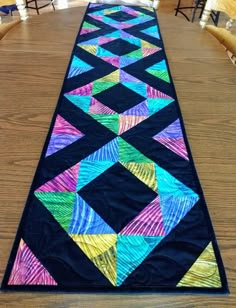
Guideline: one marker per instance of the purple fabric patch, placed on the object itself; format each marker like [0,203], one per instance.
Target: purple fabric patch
[139,110]
[172,131]
[58,142]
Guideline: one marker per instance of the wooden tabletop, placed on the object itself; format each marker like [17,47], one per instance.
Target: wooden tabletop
[33,60]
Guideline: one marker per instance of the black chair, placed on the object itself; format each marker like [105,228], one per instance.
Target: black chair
[36,6]
[197,5]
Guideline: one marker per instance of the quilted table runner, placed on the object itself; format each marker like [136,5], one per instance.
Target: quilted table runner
[116,203]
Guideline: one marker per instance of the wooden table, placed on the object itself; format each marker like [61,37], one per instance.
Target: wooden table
[33,60]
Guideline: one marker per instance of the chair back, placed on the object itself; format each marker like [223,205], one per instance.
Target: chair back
[149,3]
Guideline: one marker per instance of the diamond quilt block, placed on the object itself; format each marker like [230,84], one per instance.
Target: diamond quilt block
[161,201]
[119,101]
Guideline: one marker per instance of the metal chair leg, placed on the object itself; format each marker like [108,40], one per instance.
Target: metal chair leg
[197,2]
[216,20]
[180,9]
[200,16]
[53,5]
[177,8]
[36,6]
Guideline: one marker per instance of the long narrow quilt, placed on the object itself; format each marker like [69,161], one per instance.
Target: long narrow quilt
[116,204]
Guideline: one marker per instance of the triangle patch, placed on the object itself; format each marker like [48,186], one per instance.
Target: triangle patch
[131,251]
[152,31]
[128,121]
[98,108]
[125,60]
[172,138]
[82,102]
[90,48]
[149,221]
[59,142]
[156,104]
[101,250]
[176,199]
[145,172]
[64,182]
[86,221]
[139,110]
[61,126]
[101,52]
[89,170]
[150,51]
[128,154]
[125,77]
[153,93]
[60,205]
[159,70]
[99,86]
[82,91]
[204,272]
[78,67]
[63,134]
[27,269]
[139,88]
[109,152]
[93,42]
[88,28]
[111,121]
[115,61]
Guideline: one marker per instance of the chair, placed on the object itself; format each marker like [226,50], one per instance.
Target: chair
[36,6]
[8,9]
[197,5]
[20,6]
[150,3]
[223,35]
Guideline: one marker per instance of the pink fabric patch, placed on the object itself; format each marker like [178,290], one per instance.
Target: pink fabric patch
[82,91]
[98,108]
[64,182]
[148,223]
[153,93]
[27,270]
[63,127]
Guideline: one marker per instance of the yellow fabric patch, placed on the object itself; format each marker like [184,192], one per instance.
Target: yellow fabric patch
[108,12]
[126,122]
[145,44]
[101,250]
[113,77]
[90,48]
[204,272]
[145,172]
[107,264]
[94,245]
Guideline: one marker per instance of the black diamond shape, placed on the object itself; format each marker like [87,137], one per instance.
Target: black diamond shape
[119,98]
[117,196]
[121,16]
[120,47]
